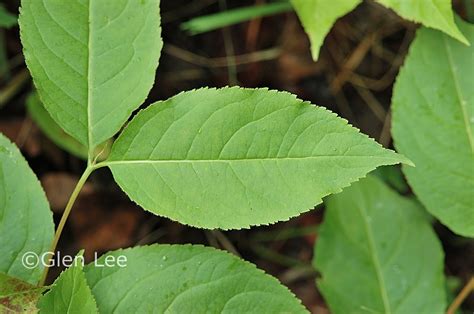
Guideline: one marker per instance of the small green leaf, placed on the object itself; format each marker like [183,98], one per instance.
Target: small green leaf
[436,14]
[17,296]
[26,222]
[54,132]
[185,279]
[93,62]
[318,17]
[233,158]
[214,21]
[7,19]
[70,292]
[377,253]
[433,123]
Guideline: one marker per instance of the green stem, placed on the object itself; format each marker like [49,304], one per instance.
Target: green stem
[65,215]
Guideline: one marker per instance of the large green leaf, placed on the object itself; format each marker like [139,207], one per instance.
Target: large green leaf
[70,293]
[232,157]
[26,222]
[433,123]
[93,62]
[377,253]
[318,16]
[185,279]
[17,296]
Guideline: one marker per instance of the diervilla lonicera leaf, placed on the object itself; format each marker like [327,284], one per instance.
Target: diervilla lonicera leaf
[383,247]
[26,222]
[433,124]
[231,158]
[93,62]
[186,279]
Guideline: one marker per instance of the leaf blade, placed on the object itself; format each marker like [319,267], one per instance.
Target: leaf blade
[274,158]
[184,279]
[318,17]
[69,291]
[433,123]
[26,221]
[82,61]
[393,251]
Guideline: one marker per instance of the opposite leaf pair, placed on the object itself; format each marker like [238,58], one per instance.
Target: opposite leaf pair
[227,158]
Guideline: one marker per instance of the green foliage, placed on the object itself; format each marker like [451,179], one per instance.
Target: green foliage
[433,123]
[186,279]
[17,296]
[69,293]
[274,158]
[233,158]
[377,253]
[318,16]
[214,21]
[7,19]
[90,70]
[26,222]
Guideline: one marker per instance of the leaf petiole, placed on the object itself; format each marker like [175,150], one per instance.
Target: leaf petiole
[67,211]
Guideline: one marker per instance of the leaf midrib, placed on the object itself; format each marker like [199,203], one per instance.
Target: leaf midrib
[89,41]
[375,261]
[459,95]
[176,161]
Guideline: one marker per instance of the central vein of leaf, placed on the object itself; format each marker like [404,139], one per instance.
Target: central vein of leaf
[89,61]
[375,260]
[461,99]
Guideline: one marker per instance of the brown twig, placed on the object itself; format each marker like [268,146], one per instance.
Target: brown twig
[468,288]
[353,62]
[242,59]
[13,87]
[385,136]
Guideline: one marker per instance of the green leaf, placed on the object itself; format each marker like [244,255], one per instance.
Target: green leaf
[54,132]
[26,222]
[433,123]
[377,253]
[7,19]
[318,16]
[230,17]
[70,292]
[232,158]
[436,14]
[93,62]
[185,279]
[17,296]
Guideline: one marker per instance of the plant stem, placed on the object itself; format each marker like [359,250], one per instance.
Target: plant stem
[65,215]
[468,288]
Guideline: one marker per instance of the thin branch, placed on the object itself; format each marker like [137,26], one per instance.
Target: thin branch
[463,294]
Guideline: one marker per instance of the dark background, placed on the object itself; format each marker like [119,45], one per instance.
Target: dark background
[354,77]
